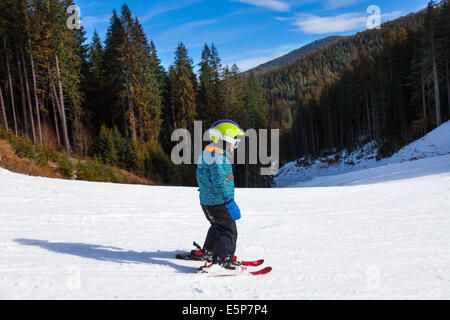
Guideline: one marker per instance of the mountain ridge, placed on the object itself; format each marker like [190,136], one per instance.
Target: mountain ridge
[296,54]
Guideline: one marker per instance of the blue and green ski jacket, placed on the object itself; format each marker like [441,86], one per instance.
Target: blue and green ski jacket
[215,177]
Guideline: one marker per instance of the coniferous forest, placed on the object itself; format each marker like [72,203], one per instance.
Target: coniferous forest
[389,85]
[111,101]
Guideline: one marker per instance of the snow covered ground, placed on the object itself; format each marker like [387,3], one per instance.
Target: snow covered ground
[381,233]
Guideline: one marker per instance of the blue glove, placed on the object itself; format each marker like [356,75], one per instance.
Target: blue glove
[233,209]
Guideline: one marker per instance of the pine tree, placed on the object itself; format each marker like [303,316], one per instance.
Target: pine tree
[68,57]
[430,31]
[255,106]
[206,107]
[210,92]
[10,85]
[183,86]
[129,60]
[2,104]
[148,77]
[234,94]
[113,78]
[94,84]
[41,47]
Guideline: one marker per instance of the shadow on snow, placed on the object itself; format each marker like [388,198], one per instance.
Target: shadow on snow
[110,254]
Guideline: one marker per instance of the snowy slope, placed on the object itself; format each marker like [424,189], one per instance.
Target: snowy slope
[435,143]
[386,239]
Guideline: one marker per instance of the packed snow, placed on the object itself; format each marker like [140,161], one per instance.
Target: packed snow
[305,172]
[380,233]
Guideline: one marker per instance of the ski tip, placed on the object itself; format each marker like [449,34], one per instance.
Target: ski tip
[253,263]
[266,270]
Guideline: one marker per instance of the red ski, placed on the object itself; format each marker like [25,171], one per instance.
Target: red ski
[196,255]
[255,263]
[266,270]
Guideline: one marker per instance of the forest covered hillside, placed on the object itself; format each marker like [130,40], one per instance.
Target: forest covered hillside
[389,85]
[296,54]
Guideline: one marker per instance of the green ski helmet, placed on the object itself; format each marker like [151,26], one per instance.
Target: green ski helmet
[226,130]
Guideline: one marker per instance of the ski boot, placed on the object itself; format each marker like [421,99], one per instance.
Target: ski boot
[226,265]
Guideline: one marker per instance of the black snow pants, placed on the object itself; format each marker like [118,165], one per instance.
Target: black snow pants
[222,235]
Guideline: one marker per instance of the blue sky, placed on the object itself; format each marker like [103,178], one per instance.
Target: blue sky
[245,32]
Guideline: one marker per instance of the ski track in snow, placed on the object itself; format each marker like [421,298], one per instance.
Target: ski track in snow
[380,233]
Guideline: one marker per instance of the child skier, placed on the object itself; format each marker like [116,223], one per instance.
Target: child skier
[216,185]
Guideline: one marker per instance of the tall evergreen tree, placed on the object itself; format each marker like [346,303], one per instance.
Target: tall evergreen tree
[255,105]
[183,86]
[430,31]
[113,105]
[210,91]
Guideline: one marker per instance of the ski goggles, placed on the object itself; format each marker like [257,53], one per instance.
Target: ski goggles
[234,142]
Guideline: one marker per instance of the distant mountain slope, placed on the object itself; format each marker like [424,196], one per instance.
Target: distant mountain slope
[296,54]
[306,75]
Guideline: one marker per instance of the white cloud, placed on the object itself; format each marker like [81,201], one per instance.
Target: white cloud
[391,15]
[312,24]
[284,18]
[334,4]
[275,5]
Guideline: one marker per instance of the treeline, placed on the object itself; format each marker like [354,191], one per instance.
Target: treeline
[388,85]
[112,100]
